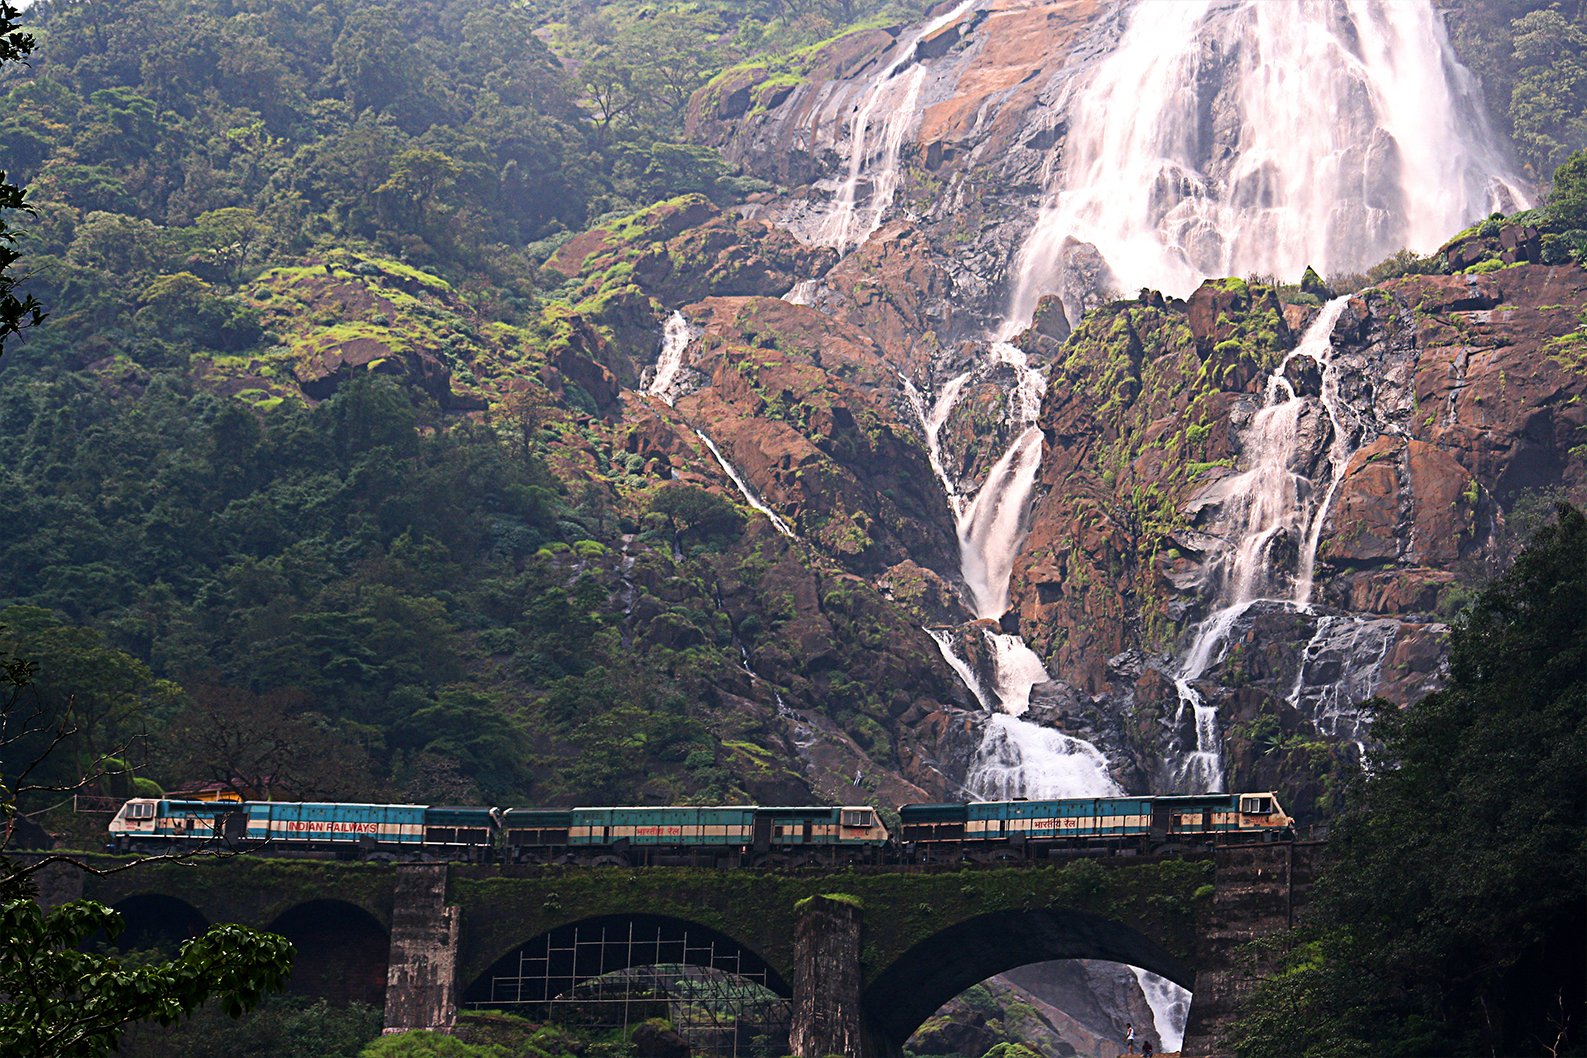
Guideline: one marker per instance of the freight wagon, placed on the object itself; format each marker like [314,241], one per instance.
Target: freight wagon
[1002,830]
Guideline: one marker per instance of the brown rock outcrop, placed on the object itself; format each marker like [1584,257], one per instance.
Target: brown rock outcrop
[1472,393]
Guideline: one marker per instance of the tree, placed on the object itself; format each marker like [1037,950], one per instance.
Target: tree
[60,998]
[262,746]
[1451,919]
[15,313]
[692,511]
[1567,198]
[1549,98]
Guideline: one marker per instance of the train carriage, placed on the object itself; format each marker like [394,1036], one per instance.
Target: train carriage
[629,834]
[991,830]
[732,835]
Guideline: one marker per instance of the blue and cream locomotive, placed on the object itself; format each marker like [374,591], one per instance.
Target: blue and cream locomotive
[994,830]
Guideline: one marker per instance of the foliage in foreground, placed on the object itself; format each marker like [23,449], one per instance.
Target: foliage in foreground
[1452,918]
[285,1026]
[62,1000]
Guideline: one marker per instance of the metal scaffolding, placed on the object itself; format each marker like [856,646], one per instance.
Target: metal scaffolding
[614,976]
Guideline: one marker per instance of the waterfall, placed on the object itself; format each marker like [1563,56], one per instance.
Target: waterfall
[1016,757]
[1266,508]
[961,668]
[743,487]
[803,292]
[888,109]
[1262,137]
[1329,687]
[931,423]
[675,339]
[1170,1008]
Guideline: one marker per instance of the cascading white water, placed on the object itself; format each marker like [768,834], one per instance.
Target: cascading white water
[803,292]
[743,487]
[1271,503]
[1329,687]
[931,423]
[944,639]
[1262,137]
[1016,757]
[1170,1008]
[887,111]
[675,338]
[1228,137]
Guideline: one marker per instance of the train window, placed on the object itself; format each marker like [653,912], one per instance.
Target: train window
[143,811]
[1256,806]
[856,817]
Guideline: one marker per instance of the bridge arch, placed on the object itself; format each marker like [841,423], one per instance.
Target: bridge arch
[905,993]
[157,920]
[560,959]
[342,951]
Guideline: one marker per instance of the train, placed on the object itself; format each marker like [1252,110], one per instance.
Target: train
[719,836]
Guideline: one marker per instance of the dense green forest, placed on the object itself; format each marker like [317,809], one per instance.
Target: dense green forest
[392,600]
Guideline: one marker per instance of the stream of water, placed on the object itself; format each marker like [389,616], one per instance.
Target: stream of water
[749,494]
[888,110]
[675,338]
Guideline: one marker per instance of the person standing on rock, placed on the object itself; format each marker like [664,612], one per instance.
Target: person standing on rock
[1129,1038]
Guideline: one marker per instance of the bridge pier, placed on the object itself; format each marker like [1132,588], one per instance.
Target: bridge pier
[421,976]
[827,1018]
[1258,889]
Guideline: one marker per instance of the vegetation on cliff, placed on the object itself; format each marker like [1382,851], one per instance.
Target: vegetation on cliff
[1451,918]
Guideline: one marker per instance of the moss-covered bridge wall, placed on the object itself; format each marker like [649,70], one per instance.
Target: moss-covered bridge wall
[924,935]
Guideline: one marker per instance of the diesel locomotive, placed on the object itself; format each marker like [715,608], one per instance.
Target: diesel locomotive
[722,836]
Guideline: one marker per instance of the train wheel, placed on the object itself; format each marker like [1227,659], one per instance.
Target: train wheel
[608,860]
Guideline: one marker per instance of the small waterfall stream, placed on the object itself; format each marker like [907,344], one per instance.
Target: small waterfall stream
[887,111]
[743,487]
[675,338]
[1267,507]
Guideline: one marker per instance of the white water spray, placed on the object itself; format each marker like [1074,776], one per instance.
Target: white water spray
[803,292]
[886,113]
[675,339]
[1266,508]
[1330,686]
[1262,137]
[1170,1008]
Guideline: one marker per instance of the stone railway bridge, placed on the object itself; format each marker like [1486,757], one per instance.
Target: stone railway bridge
[864,956]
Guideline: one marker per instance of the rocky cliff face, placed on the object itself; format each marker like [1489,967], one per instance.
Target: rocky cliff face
[1469,400]
[1149,408]
[972,168]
